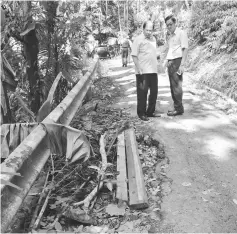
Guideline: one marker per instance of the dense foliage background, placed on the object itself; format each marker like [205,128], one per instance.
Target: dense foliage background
[41,38]
[215,23]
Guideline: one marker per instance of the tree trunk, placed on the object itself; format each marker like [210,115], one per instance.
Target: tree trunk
[124,15]
[137,7]
[56,55]
[119,17]
[106,8]
[127,18]
[51,11]
[31,50]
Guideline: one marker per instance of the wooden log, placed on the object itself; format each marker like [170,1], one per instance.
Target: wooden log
[137,192]
[122,190]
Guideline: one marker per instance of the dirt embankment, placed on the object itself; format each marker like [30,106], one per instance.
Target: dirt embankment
[216,70]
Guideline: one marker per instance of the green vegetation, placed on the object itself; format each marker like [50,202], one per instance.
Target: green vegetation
[215,23]
[39,39]
[213,29]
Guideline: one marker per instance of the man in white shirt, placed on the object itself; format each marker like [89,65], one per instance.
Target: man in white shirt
[177,41]
[145,60]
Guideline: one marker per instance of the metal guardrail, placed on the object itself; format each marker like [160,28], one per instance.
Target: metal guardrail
[30,156]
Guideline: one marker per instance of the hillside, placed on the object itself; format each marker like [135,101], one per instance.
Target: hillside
[216,70]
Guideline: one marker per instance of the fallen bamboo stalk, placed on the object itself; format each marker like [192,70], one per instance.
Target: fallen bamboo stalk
[113,140]
[39,202]
[47,198]
[56,185]
[123,127]
[89,198]
[37,222]
[93,203]
[82,185]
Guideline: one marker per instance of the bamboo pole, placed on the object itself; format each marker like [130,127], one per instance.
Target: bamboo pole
[37,222]
[39,202]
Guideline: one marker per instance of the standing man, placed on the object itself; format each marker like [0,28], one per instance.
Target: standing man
[145,60]
[177,41]
[125,50]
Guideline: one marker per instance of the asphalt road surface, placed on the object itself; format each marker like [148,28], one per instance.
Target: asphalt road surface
[202,148]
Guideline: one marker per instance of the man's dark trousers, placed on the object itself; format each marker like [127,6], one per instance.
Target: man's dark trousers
[176,83]
[145,82]
[125,56]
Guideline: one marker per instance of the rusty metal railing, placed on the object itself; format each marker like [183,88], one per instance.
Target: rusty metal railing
[30,156]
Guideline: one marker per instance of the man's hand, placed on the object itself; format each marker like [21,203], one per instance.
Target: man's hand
[139,71]
[181,70]
[138,68]
[165,64]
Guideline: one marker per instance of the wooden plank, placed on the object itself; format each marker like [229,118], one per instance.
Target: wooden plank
[122,190]
[137,192]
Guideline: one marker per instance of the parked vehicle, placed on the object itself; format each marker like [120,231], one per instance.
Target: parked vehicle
[103,52]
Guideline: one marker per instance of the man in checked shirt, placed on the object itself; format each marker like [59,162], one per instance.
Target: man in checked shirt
[177,41]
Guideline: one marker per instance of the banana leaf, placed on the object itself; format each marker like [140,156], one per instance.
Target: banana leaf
[12,135]
[63,140]
[46,107]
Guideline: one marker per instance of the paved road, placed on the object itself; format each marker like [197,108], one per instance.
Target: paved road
[202,148]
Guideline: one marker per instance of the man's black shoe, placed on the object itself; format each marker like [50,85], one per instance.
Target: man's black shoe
[175,110]
[143,117]
[171,111]
[174,113]
[153,115]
